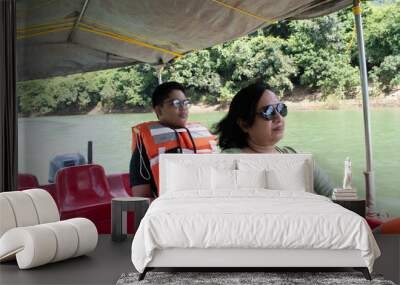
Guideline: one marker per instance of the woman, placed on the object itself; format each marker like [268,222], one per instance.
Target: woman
[255,124]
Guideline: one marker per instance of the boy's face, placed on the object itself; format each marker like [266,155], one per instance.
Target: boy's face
[171,115]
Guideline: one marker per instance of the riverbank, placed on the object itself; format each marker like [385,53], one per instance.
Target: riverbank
[302,101]
[313,102]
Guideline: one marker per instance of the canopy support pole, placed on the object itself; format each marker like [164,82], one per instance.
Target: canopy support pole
[159,73]
[368,173]
[70,37]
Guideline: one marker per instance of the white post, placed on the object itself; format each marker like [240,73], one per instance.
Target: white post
[369,173]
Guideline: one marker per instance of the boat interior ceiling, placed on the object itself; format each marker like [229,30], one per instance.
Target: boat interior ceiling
[56,37]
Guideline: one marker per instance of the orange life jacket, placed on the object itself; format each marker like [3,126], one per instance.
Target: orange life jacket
[158,139]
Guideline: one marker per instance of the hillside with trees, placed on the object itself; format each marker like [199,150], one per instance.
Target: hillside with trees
[316,55]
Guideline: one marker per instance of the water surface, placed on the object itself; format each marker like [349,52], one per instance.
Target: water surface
[330,136]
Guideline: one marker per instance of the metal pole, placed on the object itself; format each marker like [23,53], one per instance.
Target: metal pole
[368,173]
[90,152]
[160,81]
[70,37]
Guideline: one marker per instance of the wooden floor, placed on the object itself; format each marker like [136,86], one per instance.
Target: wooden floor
[102,266]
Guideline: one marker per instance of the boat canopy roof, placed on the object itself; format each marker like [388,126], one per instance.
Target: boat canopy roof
[57,37]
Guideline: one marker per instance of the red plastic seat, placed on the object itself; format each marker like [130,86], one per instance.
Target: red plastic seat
[119,181]
[118,185]
[27,181]
[83,191]
[127,183]
[374,223]
[51,188]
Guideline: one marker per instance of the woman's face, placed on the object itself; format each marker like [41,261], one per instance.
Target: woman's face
[263,132]
[171,115]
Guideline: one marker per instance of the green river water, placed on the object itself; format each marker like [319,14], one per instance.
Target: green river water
[330,136]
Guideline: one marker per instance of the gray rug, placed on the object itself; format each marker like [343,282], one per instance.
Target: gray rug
[229,278]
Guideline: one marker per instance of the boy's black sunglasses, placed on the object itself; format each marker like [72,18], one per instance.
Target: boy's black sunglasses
[269,111]
[186,103]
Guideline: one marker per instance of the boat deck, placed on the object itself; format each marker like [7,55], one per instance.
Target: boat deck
[110,259]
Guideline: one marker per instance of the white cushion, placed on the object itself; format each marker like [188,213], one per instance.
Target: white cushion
[179,172]
[182,177]
[293,180]
[67,240]
[283,171]
[32,246]
[26,208]
[7,218]
[23,208]
[40,244]
[87,234]
[223,179]
[251,178]
[45,206]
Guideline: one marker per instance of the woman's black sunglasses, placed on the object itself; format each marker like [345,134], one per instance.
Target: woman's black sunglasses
[269,111]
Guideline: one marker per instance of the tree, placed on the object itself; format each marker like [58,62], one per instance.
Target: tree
[197,71]
[319,49]
[382,32]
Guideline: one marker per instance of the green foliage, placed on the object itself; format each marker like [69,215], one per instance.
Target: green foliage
[382,32]
[197,71]
[319,54]
[32,98]
[117,89]
[128,87]
[257,58]
[227,92]
[74,93]
[387,74]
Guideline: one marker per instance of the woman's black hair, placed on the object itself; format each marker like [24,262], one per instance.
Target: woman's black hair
[162,91]
[243,107]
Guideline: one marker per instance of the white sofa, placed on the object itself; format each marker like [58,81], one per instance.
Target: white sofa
[31,231]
